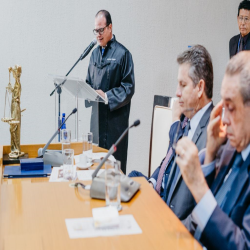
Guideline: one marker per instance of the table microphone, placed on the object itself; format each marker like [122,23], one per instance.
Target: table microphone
[128,186]
[41,151]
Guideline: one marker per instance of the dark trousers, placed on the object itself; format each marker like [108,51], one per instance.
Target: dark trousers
[137,174]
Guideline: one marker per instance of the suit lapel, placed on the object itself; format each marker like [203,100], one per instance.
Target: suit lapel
[200,128]
[248,43]
[238,185]
[223,166]
[234,46]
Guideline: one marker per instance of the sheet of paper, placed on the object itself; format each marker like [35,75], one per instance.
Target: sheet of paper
[95,156]
[84,227]
[86,175]
[82,175]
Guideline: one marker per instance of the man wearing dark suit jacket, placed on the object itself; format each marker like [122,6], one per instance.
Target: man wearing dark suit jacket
[221,218]
[195,88]
[242,41]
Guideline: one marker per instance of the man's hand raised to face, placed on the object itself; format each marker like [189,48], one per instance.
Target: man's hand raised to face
[188,161]
[216,133]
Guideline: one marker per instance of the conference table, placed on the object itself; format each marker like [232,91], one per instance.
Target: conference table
[33,213]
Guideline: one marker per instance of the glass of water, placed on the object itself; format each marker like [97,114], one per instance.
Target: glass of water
[113,184]
[69,172]
[87,145]
[66,138]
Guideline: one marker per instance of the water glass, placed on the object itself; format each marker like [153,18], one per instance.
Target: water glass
[87,144]
[113,184]
[69,172]
[66,138]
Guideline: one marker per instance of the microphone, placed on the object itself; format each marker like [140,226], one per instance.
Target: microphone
[114,148]
[129,187]
[41,151]
[88,49]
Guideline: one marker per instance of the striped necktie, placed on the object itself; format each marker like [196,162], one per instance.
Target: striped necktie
[165,162]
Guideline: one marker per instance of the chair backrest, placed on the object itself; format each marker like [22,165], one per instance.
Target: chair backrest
[161,123]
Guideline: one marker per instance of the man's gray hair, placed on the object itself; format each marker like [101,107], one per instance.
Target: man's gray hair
[201,67]
[240,64]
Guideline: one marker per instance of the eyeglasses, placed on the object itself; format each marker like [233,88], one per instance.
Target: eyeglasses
[241,19]
[100,31]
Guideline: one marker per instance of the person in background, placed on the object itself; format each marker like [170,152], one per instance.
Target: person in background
[242,41]
[111,74]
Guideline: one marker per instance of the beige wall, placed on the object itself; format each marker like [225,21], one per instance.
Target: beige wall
[48,37]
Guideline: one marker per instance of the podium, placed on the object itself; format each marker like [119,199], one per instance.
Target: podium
[81,95]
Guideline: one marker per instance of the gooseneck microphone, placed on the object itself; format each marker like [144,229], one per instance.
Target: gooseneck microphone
[82,56]
[41,151]
[114,147]
[88,49]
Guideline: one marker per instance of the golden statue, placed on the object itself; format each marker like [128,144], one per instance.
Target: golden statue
[15,119]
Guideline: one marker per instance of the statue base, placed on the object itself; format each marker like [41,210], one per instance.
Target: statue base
[8,161]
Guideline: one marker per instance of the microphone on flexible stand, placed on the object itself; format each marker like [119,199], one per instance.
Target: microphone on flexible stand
[128,186]
[53,157]
[88,49]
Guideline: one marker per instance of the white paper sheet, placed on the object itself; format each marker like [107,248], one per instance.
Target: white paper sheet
[95,156]
[82,175]
[84,227]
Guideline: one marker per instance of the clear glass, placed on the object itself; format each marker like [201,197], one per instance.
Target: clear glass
[113,184]
[87,145]
[69,172]
[65,138]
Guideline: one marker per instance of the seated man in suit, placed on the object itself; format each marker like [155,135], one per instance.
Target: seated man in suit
[221,218]
[194,90]
[242,41]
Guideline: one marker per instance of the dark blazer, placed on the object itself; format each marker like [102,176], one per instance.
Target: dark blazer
[113,73]
[181,200]
[228,228]
[233,45]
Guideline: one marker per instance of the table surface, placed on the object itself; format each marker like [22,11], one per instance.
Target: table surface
[33,213]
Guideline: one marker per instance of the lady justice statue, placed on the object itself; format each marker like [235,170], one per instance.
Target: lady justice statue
[15,119]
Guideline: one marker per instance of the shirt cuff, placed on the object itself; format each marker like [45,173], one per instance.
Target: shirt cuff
[204,209]
[153,181]
[208,168]
[106,99]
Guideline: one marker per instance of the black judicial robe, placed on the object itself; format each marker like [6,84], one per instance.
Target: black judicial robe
[113,73]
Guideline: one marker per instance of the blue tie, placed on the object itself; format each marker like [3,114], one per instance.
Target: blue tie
[103,51]
[224,190]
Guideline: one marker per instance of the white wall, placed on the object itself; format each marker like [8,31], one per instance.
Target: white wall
[48,37]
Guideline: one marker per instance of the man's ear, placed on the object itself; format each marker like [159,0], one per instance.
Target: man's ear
[201,88]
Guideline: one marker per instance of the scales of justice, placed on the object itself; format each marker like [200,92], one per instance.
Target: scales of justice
[14,118]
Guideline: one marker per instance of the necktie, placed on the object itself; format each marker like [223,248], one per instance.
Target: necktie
[103,49]
[221,195]
[176,170]
[165,162]
[241,44]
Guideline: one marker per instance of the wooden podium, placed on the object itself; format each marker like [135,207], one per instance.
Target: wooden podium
[33,213]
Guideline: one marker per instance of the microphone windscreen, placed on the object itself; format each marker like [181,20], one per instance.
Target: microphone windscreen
[94,41]
[74,110]
[136,123]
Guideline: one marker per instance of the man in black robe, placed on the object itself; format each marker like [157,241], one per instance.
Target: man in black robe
[111,74]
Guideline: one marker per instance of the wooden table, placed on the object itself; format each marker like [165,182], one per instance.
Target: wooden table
[33,213]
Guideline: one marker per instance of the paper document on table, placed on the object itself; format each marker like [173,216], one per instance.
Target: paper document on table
[94,156]
[82,175]
[86,175]
[84,227]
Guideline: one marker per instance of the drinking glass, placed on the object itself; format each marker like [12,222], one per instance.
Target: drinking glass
[69,172]
[66,138]
[87,145]
[113,184]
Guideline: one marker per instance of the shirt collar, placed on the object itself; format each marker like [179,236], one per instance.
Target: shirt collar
[110,41]
[244,38]
[245,152]
[197,117]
